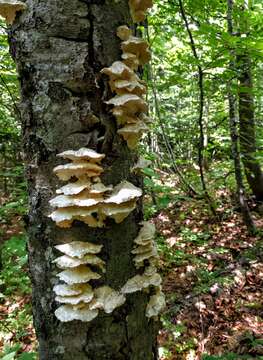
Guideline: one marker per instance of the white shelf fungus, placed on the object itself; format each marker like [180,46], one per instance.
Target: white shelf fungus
[140,282]
[78,275]
[82,154]
[9,8]
[118,70]
[107,299]
[79,248]
[129,107]
[65,261]
[77,169]
[146,233]
[132,133]
[70,290]
[67,313]
[124,192]
[86,296]
[65,216]
[155,305]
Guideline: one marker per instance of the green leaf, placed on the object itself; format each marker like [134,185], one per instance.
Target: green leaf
[10,356]
[27,356]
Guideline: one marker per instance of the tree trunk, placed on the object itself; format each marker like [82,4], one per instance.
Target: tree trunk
[252,167]
[233,121]
[60,48]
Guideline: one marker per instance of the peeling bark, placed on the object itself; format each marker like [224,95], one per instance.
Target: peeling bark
[59,49]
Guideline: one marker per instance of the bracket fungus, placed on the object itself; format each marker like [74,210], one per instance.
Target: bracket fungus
[122,201]
[145,248]
[138,47]
[68,312]
[82,154]
[138,9]
[140,282]
[78,275]
[107,299]
[129,107]
[132,133]
[9,8]
[156,304]
[79,248]
[76,291]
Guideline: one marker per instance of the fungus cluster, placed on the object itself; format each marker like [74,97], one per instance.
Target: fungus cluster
[129,107]
[86,199]
[9,8]
[80,301]
[146,256]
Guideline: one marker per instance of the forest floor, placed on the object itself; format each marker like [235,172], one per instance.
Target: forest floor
[212,278]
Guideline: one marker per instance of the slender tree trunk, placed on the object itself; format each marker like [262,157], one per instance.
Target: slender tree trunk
[233,121]
[201,111]
[60,48]
[252,167]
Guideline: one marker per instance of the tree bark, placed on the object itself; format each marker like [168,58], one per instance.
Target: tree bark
[60,48]
[252,167]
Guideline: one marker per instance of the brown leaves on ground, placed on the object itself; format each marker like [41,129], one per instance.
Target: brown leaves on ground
[213,277]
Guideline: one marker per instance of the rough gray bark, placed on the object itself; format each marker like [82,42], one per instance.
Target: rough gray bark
[60,48]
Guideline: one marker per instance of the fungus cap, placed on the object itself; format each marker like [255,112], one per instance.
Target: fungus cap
[67,313]
[146,233]
[70,290]
[139,282]
[9,8]
[119,212]
[130,60]
[79,248]
[74,188]
[123,32]
[65,261]
[118,70]
[79,275]
[138,9]
[132,103]
[139,47]
[100,188]
[77,169]
[86,296]
[142,249]
[132,86]
[132,133]
[107,299]
[124,192]
[80,200]
[65,216]
[123,117]
[146,255]
[82,154]
[156,304]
